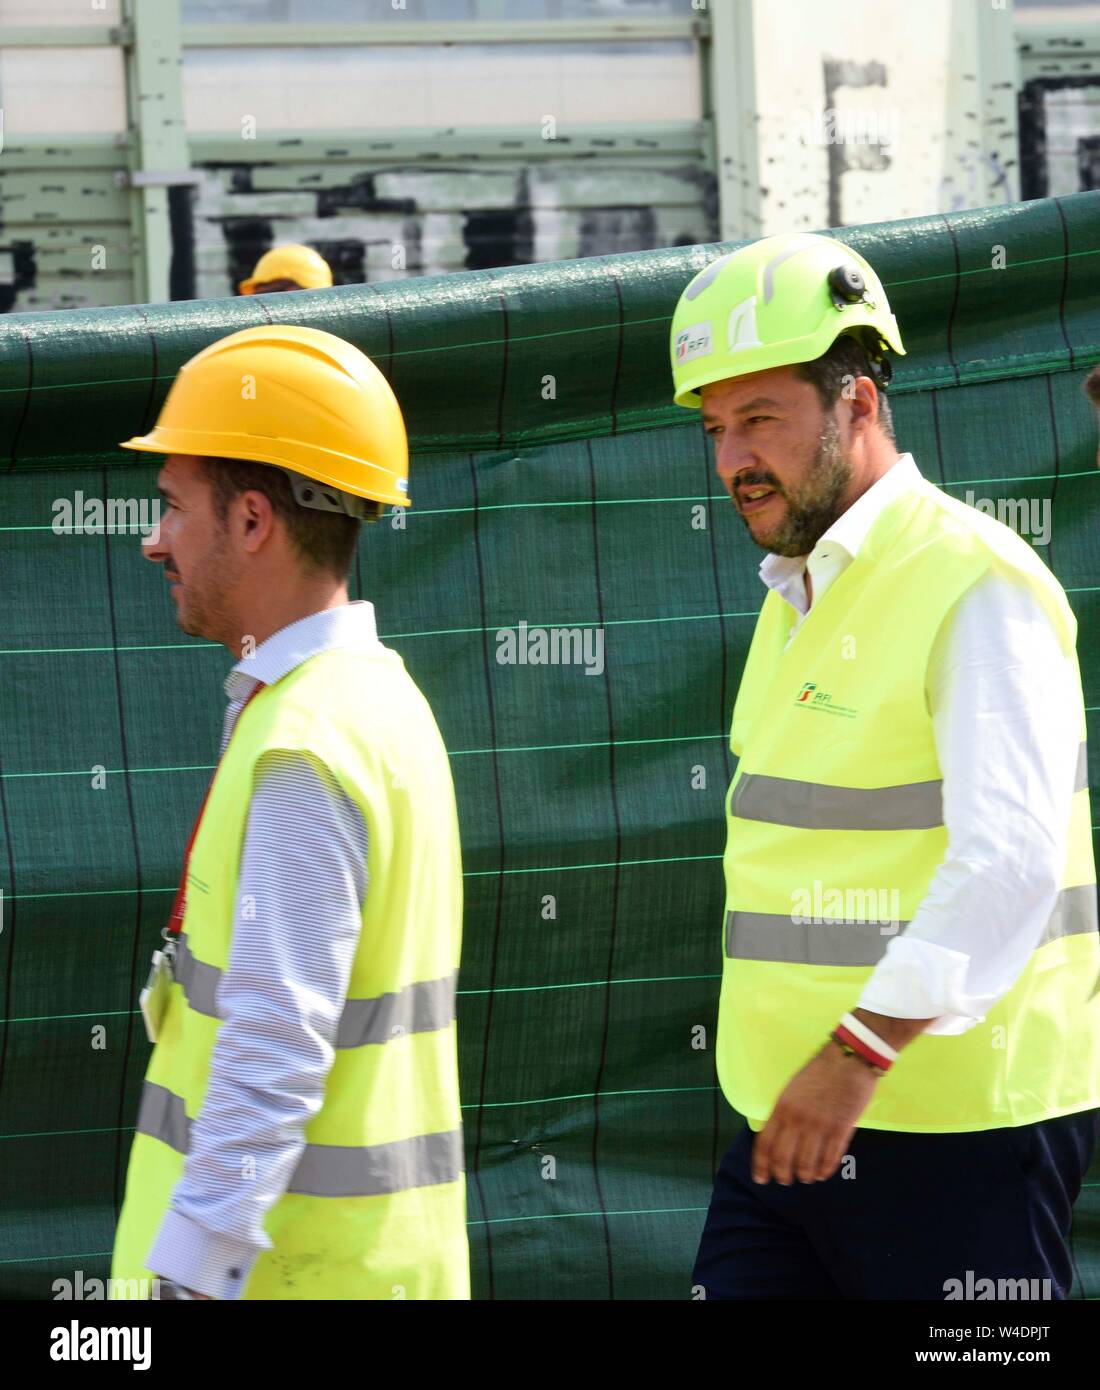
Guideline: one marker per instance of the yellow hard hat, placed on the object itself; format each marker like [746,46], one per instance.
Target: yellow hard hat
[299,398]
[301,264]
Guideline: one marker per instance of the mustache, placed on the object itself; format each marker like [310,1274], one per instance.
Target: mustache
[747,480]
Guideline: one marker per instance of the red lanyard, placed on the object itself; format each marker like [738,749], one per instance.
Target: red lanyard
[179,905]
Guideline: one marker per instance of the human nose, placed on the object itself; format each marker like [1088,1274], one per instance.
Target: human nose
[732,456]
[154,546]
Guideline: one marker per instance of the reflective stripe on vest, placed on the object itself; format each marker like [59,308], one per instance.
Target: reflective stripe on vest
[814,806]
[422,1007]
[327,1170]
[772,936]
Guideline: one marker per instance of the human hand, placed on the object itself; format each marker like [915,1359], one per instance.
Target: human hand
[808,1132]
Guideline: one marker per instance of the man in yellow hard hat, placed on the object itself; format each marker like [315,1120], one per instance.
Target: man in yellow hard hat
[299,1134]
[909,1018]
[291,267]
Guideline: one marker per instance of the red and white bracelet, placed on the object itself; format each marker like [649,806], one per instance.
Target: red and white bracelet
[856,1039]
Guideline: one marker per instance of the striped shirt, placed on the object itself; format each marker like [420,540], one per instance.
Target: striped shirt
[301,889]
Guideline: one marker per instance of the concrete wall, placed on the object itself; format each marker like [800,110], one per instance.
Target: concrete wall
[458,208]
[873,109]
[863,110]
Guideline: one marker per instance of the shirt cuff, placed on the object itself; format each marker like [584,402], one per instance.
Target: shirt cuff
[921,979]
[201,1260]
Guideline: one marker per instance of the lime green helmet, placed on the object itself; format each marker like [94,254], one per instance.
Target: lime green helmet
[779,301]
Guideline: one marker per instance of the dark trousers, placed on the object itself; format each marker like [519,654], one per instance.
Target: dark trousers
[916,1211]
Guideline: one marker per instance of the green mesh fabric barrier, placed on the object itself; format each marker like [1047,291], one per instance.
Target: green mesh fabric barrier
[555,484]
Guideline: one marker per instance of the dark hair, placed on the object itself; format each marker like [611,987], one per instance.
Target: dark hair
[325,540]
[1092,386]
[845,359]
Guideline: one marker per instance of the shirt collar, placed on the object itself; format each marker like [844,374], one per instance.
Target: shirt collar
[850,530]
[350,625]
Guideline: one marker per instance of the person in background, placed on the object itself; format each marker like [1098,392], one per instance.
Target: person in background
[291,267]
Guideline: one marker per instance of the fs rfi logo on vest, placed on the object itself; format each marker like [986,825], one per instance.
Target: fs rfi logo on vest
[812,698]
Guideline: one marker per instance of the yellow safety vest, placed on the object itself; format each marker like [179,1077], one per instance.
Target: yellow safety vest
[835,829]
[377,1205]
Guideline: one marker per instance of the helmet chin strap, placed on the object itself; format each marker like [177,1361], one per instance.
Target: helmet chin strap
[882,369]
[847,286]
[319,497]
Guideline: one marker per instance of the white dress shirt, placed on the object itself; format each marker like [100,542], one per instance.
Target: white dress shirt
[1006,721]
[300,892]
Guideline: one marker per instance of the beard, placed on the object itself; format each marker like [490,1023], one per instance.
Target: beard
[813,506]
[204,607]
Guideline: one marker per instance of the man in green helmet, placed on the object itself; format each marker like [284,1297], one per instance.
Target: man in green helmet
[909,1020]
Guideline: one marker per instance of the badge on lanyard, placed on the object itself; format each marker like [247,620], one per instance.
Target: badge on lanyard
[154,997]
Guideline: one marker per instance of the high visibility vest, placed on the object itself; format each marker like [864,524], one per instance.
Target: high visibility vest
[376,1208]
[835,829]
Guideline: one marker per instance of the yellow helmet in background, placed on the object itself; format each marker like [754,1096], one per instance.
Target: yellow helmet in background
[301,264]
[301,399]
